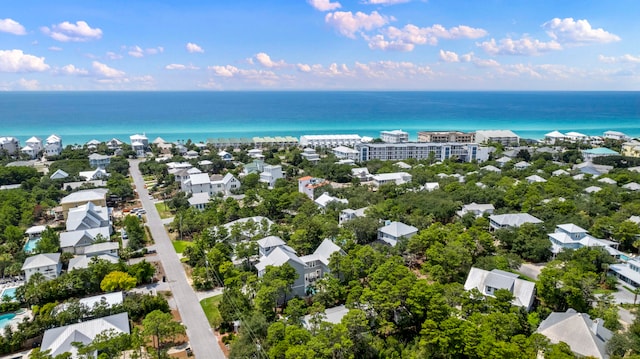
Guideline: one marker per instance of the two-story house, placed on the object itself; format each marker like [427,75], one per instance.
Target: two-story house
[571,236]
[48,264]
[394,231]
[488,282]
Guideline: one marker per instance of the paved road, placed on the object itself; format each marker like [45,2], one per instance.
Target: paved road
[203,341]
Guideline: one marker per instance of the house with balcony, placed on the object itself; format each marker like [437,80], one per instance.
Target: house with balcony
[139,144]
[88,216]
[310,155]
[274,252]
[345,153]
[488,282]
[270,174]
[325,199]
[308,185]
[47,264]
[9,144]
[97,160]
[478,210]
[76,241]
[571,236]
[96,196]
[53,146]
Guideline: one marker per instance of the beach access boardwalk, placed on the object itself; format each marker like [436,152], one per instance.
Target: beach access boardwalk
[201,338]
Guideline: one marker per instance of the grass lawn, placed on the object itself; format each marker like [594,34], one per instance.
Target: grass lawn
[210,307]
[163,211]
[180,246]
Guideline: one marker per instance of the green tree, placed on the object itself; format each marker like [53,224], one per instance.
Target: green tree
[159,330]
[117,280]
[49,242]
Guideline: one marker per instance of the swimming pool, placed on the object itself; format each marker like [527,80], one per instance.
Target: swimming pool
[10,292]
[31,245]
[5,319]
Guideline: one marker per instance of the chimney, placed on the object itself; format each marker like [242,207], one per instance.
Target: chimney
[596,326]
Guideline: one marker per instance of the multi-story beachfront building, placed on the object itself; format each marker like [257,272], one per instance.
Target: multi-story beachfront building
[505,137]
[631,149]
[9,144]
[466,152]
[139,144]
[395,136]
[446,136]
[329,141]
[53,145]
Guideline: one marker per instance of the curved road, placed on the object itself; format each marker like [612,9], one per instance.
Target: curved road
[201,338]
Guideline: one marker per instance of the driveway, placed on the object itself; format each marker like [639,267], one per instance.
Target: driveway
[531,270]
[203,342]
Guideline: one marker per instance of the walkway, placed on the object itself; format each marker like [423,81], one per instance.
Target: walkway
[203,342]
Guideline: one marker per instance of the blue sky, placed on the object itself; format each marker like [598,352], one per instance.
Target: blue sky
[320,45]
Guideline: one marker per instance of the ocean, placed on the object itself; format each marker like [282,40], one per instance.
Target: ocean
[82,116]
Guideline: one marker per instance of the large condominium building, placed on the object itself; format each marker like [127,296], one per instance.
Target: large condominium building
[395,136]
[446,136]
[330,141]
[466,152]
[505,137]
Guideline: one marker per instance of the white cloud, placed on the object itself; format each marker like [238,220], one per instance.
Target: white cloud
[17,61]
[406,38]
[54,48]
[72,70]
[68,32]
[324,5]
[523,46]
[577,32]
[224,71]
[137,51]
[193,48]
[12,27]
[303,68]
[181,67]
[627,58]
[113,56]
[265,60]
[384,2]
[30,85]
[449,56]
[103,70]
[348,24]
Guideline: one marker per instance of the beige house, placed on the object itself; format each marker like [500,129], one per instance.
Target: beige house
[97,196]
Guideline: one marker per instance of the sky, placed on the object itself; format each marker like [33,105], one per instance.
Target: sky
[187,45]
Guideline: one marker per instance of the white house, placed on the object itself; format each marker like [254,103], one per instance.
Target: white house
[395,136]
[535,179]
[396,177]
[59,340]
[395,231]
[478,210]
[88,216]
[9,144]
[225,156]
[53,146]
[615,135]
[270,174]
[48,264]
[344,152]
[199,200]
[585,336]
[97,160]
[511,220]
[82,261]
[101,249]
[310,155]
[308,185]
[361,173]
[324,199]
[29,151]
[332,315]
[349,214]
[490,168]
[59,174]
[255,153]
[571,236]
[98,173]
[430,186]
[274,252]
[197,183]
[487,282]
[35,143]
[554,136]
[139,144]
[35,231]
[224,184]
[76,241]
[522,165]
[330,141]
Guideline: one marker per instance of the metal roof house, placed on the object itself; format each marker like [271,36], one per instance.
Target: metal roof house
[487,282]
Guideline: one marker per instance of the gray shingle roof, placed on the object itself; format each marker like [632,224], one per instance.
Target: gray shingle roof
[585,336]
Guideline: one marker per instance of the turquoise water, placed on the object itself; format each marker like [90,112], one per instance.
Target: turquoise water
[31,245]
[81,116]
[5,319]
[10,292]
